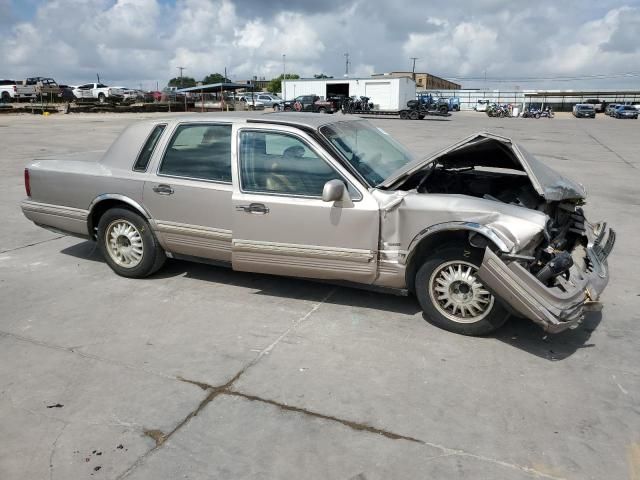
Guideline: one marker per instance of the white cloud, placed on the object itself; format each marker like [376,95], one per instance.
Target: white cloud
[145,40]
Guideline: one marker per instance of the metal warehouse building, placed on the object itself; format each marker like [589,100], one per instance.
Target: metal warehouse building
[559,100]
[386,93]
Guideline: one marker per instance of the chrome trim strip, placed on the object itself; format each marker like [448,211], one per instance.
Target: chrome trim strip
[452,226]
[193,230]
[57,210]
[305,251]
[122,198]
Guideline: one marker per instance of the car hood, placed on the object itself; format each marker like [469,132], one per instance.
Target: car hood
[494,151]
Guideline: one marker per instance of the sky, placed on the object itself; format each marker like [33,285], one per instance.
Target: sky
[552,44]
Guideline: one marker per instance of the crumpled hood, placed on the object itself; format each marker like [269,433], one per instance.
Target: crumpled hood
[493,151]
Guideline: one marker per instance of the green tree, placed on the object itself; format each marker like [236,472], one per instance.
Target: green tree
[214,78]
[275,85]
[183,82]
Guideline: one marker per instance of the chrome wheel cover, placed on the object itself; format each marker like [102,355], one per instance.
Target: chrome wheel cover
[457,293]
[124,243]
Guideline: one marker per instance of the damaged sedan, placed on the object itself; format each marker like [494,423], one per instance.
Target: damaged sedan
[478,231]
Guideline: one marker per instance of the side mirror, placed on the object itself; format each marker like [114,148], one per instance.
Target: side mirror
[333,191]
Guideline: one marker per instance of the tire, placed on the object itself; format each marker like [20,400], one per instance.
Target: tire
[433,274]
[101,98]
[287,109]
[537,115]
[443,110]
[6,98]
[135,253]
[404,114]
[322,110]
[413,115]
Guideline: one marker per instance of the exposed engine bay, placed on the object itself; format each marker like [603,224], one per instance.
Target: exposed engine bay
[553,254]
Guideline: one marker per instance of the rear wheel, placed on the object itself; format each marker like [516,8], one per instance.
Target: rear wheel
[404,114]
[413,115]
[6,98]
[322,110]
[128,245]
[453,297]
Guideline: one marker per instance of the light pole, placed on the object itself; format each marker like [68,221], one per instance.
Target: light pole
[284,76]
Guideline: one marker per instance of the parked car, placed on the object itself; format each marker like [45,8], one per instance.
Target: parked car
[625,111]
[610,109]
[98,91]
[476,230]
[481,105]
[583,110]
[32,87]
[598,105]
[7,90]
[269,100]
[312,103]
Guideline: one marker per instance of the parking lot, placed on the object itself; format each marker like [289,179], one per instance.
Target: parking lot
[200,372]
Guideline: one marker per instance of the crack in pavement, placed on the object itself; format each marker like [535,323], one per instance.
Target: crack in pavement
[214,391]
[53,451]
[32,244]
[609,149]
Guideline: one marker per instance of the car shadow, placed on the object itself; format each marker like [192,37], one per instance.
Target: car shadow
[271,285]
[517,332]
[526,335]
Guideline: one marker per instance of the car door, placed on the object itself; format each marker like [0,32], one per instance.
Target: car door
[188,192]
[282,226]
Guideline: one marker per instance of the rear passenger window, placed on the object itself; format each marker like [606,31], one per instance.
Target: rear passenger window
[199,151]
[145,155]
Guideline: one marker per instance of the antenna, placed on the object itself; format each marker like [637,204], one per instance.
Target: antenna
[346,64]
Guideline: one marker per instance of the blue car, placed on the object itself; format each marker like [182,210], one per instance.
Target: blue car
[625,111]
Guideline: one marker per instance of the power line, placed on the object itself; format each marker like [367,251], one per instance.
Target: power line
[548,79]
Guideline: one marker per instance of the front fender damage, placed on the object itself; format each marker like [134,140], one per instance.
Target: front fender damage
[555,308]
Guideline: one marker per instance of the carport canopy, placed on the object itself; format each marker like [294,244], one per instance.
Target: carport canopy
[216,87]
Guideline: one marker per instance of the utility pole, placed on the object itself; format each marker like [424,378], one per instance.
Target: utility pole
[413,70]
[346,64]
[225,74]
[284,76]
[181,69]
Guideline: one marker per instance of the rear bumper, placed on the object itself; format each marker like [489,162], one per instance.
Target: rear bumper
[554,308]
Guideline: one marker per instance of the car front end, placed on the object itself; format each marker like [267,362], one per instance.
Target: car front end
[540,256]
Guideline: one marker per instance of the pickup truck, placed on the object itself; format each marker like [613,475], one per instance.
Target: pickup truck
[310,103]
[7,90]
[34,86]
[98,91]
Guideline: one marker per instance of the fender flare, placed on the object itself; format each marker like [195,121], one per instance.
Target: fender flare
[115,196]
[484,230]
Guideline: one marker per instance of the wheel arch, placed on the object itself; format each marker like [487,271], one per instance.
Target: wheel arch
[107,201]
[439,236]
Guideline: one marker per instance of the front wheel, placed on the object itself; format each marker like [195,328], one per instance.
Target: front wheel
[128,245]
[453,297]
[101,98]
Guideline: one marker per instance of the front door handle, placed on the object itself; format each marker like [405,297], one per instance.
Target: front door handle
[255,208]
[163,189]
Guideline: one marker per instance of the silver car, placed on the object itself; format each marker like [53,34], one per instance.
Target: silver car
[476,231]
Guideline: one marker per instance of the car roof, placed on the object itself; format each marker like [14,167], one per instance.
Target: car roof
[301,120]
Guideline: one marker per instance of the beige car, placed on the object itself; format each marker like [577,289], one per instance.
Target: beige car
[476,231]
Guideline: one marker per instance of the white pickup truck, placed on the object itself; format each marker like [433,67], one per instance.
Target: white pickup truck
[28,88]
[7,90]
[98,91]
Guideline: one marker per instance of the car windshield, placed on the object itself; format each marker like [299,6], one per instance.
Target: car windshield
[371,150]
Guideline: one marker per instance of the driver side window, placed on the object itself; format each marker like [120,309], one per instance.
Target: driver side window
[279,163]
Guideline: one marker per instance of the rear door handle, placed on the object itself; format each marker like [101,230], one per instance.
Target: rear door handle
[255,208]
[163,189]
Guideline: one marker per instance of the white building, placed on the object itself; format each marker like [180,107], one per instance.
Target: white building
[385,93]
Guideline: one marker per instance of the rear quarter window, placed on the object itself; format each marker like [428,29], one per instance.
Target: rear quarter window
[142,162]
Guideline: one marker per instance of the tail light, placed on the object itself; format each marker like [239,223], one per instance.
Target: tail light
[27,182]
